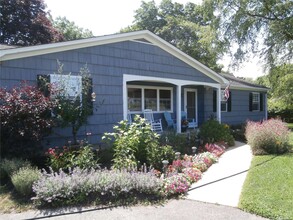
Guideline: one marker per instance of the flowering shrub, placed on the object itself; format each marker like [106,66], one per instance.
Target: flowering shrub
[68,157]
[193,174]
[81,185]
[217,149]
[270,136]
[176,184]
[206,158]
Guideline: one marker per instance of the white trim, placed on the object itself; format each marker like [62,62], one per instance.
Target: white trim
[157,88]
[248,88]
[180,82]
[89,42]
[196,102]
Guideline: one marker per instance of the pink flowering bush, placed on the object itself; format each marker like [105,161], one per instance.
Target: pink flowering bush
[267,137]
[176,184]
[193,174]
[216,148]
[207,158]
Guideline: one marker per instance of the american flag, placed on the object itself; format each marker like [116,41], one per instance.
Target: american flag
[227,92]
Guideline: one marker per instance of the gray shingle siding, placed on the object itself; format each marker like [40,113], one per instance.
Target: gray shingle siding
[107,64]
[240,108]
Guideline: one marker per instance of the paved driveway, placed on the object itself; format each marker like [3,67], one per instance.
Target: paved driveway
[174,209]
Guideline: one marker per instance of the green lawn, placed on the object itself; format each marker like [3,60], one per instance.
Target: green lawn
[290,126]
[268,188]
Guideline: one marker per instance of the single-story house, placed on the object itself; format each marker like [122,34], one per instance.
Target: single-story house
[136,71]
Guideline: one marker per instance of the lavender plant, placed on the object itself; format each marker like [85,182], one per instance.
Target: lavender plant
[77,186]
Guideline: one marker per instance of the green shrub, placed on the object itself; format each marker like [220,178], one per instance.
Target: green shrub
[181,142]
[156,154]
[212,131]
[23,180]
[9,166]
[267,137]
[68,157]
[132,144]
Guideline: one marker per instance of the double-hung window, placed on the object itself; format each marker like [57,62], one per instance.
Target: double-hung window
[223,101]
[255,101]
[159,99]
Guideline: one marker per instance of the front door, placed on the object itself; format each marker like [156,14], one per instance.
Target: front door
[190,103]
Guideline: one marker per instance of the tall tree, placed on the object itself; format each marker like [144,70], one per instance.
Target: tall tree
[188,27]
[258,26]
[70,30]
[280,82]
[26,23]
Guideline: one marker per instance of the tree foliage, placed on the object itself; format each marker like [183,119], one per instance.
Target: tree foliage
[280,80]
[26,23]
[70,30]
[24,118]
[188,27]
[249,22]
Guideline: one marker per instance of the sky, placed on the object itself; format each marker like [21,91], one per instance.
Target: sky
[105,17]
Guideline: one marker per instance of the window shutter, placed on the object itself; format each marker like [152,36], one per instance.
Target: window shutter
[43,82]
[87,90]
[230,102]
[261,101]
[214,101]
[250,101]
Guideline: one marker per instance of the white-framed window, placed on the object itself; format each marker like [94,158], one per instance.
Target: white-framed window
[255,101]
[159,99]
[224,104]
[67,85]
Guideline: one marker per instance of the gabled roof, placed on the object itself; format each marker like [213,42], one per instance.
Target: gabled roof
[238,83]
[144,36]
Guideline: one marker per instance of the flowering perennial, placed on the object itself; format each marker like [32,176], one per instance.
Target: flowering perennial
[76,186]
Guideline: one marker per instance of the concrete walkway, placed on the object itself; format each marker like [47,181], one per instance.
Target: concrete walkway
[222,182]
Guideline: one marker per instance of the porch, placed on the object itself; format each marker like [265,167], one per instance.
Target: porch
[171,95]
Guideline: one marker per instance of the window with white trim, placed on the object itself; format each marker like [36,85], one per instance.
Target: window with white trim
[67,85]
[255,101]
[224,103]
[159,99]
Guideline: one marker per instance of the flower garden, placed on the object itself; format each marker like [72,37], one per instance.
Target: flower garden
[148,171]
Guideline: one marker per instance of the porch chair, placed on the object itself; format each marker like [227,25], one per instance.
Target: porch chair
[156,125]
[191,121]
[171,123]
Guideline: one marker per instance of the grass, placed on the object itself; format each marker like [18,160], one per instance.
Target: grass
[268,190]
[10,202]
[290,126]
